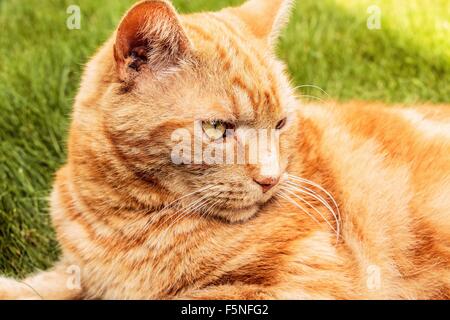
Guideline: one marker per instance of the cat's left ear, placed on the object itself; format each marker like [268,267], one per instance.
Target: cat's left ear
[265,18]
[151,38]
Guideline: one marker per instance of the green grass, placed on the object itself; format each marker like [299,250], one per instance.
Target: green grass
[327,44]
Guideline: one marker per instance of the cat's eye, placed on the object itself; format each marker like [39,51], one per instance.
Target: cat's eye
[281,124]
[215,129]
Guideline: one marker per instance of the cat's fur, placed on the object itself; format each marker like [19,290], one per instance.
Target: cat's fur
[387,168]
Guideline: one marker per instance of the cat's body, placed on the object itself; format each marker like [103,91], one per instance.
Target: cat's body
[387,168]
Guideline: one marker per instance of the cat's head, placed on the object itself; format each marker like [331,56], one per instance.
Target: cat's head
[191,87]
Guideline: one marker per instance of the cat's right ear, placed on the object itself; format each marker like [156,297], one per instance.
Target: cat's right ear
[149,38]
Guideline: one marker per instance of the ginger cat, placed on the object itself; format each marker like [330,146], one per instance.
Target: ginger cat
[354,202]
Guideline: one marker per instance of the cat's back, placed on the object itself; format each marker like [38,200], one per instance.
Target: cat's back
[408,145]
[390,169]
[417,137]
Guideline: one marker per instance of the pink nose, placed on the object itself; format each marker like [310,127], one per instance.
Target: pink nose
[267,183]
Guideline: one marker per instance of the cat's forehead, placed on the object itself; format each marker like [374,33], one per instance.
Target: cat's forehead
[253,80]
[228,44]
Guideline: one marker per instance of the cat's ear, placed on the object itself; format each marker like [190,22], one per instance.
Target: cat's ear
[265,18]
[150,37]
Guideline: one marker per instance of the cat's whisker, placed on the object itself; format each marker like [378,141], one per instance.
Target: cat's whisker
[316,196]
[290,200]
[178,202]
[312,207]
[311,192]
[336,213]
[192,207]
[208,198]
[197,205]
[291,190]
[175,213]
[314,87]
[205,196]
[212,207]
[164,231]
[179,215]
[311,97]
[277,200]
[188,195]
[320,188]
[211,203]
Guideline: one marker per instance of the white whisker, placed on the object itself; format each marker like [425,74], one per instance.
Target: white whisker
[289,199]
[313,194]
[315,209]
[321,188]
[312,86]
[311,97]
[191,207]
[175,215]
[197,204]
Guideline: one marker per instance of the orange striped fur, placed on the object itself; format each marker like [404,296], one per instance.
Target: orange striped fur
[388,169]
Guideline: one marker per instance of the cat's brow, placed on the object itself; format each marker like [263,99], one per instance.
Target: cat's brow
[219,115]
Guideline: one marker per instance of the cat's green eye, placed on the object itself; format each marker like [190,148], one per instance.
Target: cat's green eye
[214,129]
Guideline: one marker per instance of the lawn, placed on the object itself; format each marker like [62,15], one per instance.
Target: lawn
[327,45]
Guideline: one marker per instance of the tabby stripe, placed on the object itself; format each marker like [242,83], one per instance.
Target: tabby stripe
[240,84]
[244,51]
[238,36]
[235,43]
[239,50]
[101,168]
[70,248]
[261,61]
[225,58]
[223,54]
[234,105]
[113,241]
[120,242]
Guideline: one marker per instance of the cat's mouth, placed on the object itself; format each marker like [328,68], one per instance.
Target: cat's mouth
[233,203]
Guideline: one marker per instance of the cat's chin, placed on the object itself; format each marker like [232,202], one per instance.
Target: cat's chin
[237,215]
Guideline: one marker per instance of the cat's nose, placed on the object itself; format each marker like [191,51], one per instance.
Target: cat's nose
[267,183]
